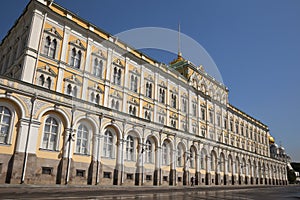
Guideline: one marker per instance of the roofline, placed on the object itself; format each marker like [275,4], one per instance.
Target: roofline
[235,109]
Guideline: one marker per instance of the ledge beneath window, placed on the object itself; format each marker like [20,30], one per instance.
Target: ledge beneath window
[49,150]
[5,144]
[80,154]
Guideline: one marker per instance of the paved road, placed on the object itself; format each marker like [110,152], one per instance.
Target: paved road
[148,193]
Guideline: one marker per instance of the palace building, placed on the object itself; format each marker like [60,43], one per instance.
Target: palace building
[78,106]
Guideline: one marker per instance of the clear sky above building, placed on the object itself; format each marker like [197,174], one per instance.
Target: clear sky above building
[255,45]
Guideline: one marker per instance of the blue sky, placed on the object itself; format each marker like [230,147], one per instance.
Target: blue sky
[255,44]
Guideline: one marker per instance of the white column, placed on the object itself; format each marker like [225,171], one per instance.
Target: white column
[156,77]
[65,44]
[30,60]
[141,92]
[84,95]
[107,78]
[125,86]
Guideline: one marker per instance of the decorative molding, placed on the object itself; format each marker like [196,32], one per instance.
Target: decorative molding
[73,79]
[52,31]
[77,43]
[47,70]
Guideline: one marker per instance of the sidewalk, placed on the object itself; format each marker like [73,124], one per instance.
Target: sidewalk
[19,188]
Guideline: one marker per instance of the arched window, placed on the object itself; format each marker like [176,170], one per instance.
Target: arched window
[129,148]
[92,97]
[48,81]
[165,154]
[75,58]
[78,59]
[74,91]
[47,45]
[98,66]
[42,80]
[119,77]
[148,115]
[194,109]
[50,136]
[117,105]
[52,49]
[115,76]
[173,100]
[73,55]
[132,82]
[108,144]
[192,158]
[97,99]
[69,89]
[180,156]
[222,163]
[149,90]
[5,119]
[184,105]
[161,95]
[132,110]
[148,151]
[135,84]
[82,139]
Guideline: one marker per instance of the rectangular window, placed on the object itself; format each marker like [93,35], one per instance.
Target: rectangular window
[179,179]
[106,174]
[202,180]
[80,172]
[47,170]
[165,178]
[148,177]
[129,176]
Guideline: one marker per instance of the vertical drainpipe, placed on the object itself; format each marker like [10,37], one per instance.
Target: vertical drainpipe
[27,139]
[70,138]
[98,149]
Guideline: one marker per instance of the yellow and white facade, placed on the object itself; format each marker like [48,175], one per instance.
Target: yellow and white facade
[78,106]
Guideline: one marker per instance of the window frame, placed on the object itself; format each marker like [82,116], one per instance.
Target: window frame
[76,57]
[149,151]
[97,67]
[50,46]
[108,144]
[130,148]
[59,125]
[12,118]
[88,139]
